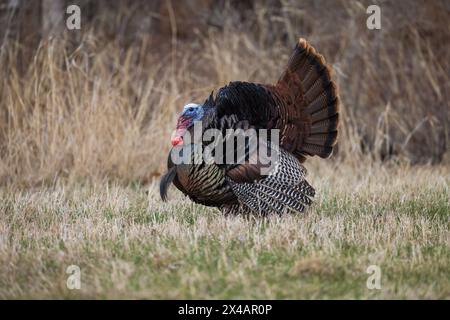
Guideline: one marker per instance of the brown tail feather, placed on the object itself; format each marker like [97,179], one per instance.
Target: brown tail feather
[326,125]
[307,81]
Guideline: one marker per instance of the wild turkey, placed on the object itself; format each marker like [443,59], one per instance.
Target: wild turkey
[303,105]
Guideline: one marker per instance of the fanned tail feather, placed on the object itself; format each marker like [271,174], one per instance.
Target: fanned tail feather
[308,79]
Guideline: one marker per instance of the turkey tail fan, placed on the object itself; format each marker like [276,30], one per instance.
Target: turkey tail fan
[165,182]
[307,79]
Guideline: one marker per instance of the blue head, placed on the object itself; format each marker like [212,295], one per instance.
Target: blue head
[191,112]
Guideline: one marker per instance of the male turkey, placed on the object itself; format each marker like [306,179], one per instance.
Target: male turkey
[303,105]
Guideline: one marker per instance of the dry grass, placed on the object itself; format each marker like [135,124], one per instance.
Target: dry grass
[85,122]
[101,109]
[129,245]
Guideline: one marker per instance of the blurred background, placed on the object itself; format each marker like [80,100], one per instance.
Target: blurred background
[100,103]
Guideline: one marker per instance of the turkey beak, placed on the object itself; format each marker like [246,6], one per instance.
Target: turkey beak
[177,139]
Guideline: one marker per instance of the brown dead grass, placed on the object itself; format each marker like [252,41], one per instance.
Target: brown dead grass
[104,108]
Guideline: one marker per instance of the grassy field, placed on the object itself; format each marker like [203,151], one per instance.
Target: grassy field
[131,245]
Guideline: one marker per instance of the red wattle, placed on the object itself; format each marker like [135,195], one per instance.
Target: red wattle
[176,141]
